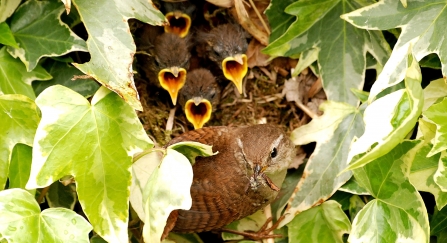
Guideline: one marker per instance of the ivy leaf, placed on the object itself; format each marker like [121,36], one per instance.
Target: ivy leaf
[22,221]
[279,20]
[438,222]
[60,196]
[53,37]
[63,74]
[94,143]
[20,166]
[335,129]
[422,26]
[14,79]
[434,92]
[167,189]
[193,149]
[342,56]
[250,223]
[7,8]
[389,119]
[18,119]
[422,173]
[110,43]
[324,223]
[183,238]
[6,36]
[389,218]
[437,114]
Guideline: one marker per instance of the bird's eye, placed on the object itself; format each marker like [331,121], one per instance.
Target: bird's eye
[273,153]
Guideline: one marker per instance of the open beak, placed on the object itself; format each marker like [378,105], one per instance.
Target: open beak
[172,79]
[235,68]
[198,111]
[179,23]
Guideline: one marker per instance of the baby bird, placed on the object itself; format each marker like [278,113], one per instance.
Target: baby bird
[179,14]
[226,45]
[199,96]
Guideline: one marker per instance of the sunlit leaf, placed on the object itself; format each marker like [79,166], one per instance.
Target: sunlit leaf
[184,238]
[342,48]
[437,114]
[110,42]
[7,8]
[94,143]
[250,223]
[422,26]
[18,119]
[14,79]
[324,223]
[422,171]
[434,92]
[389,119]
[22,221]
[193,149]
[333,132]
[167,189]
[389,218]
[355,205]
[53,37]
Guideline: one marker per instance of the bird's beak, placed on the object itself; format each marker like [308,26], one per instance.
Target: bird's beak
[172,79]
[179,23]
[235,68]
[198,111]
[256,171]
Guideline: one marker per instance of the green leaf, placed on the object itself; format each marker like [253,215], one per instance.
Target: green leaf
[6,36]
[438,223]
[287,189]
[342,57]
[193,149]
[7,8]
[251,223]
[440,175]
[38,29]
[434,92]
[437,114]
[22,221]
[389,119]
[306,59]
[352,186]
[60,196]
[141,171]
[110,43]
[167,189]
[335,129]
[422,171]
[355,205]
[63,74]
[278,19]
[94,143]
[20,166]
[399,212]
[361,95]
[18,119]
[422,26]
[324,223]
[14,79]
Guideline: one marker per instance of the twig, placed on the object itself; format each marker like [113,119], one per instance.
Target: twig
[268,214]
[306,110]
[259,16]
[42,194]
[170,122]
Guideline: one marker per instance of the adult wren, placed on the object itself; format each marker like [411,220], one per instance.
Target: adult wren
[241,179]
[199,96]
[226,45]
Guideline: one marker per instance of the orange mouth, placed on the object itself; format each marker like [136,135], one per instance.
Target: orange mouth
[198,111]
[172,80]
[235,68]
[179,23]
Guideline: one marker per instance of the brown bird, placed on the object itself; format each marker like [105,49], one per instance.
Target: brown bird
[168,63]
[179,14]
[226,45]
[242,178]
[199,96]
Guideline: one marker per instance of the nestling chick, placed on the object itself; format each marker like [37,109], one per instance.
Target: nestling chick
[199,96]
[169,63]
[226,45]
[179,14]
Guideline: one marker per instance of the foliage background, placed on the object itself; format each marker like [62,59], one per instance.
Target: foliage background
[378,147]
